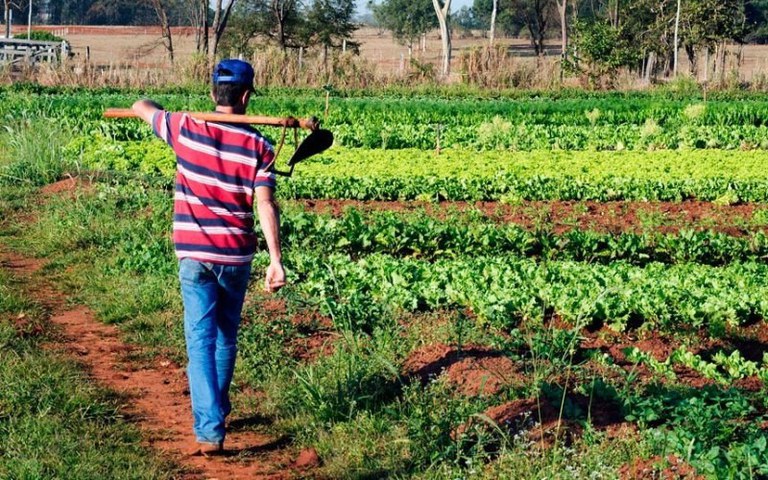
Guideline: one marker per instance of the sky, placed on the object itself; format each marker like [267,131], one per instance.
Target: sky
[455,5]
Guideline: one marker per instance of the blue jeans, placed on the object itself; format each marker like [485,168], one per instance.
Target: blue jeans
[213,299]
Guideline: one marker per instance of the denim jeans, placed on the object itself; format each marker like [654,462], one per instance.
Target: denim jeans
[213,300]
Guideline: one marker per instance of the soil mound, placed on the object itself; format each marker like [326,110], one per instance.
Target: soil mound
[473,370]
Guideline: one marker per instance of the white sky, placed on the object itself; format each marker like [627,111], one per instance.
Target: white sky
[455,5]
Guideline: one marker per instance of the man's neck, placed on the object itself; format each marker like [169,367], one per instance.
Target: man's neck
[236,110]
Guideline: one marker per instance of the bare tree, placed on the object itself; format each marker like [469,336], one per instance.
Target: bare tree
[445,32]
[7,18]
[220,19]
[282,10]
[8,15]
[677,39]
[495,10]
[613,12]
[161,9]
[562,8]
[197,13]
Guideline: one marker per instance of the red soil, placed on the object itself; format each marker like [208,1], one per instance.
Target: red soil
[559,217]
[473,370]
[157,393]
[67,186]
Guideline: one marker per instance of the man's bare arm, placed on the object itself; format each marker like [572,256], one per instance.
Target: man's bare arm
[269,218]
[146,109]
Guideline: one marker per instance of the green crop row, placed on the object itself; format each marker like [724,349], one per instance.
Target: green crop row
[728,177]
[535,124]
[722,368]
[628,109]
[421,236]
[500,134]
[504,290]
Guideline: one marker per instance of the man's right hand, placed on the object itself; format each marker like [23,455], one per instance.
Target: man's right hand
[275,279]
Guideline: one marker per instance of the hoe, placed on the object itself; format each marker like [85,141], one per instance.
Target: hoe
[316,142]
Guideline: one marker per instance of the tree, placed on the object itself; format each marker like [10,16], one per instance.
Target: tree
[705,23]
[279,21]
[466,18]
[408,20]
[602,50]
[756,15]
[9,5]
[118,12]
[494,12]
[676,46]
[197,13]
[508,20]
[161,10]
[220,19]
[535,14]
[562,8]
[442,10]
[329,24]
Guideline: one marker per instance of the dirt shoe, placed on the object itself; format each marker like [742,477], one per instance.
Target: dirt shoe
[202,449]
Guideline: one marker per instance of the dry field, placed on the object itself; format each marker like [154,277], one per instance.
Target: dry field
[142,47]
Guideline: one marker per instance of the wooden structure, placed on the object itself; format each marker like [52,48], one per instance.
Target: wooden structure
[15,51]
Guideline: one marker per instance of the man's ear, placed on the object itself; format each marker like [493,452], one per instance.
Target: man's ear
[246,96]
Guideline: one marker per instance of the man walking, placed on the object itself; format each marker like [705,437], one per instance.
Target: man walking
[222,170]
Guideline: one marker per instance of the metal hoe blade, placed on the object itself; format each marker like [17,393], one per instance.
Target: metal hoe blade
[316,142]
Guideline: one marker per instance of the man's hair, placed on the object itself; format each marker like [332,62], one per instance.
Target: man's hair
[229,94]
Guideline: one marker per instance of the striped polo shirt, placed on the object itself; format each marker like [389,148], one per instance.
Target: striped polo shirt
[218,166]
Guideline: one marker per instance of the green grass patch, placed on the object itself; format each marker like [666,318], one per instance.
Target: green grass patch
[54,423]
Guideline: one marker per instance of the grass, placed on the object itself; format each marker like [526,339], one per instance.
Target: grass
[54,423]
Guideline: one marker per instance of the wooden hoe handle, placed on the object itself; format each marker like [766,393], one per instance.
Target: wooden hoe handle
[289,122]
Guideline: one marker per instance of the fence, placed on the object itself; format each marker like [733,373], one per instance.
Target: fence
[17,51]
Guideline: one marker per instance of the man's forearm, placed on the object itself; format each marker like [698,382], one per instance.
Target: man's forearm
[146,109]
[269,218]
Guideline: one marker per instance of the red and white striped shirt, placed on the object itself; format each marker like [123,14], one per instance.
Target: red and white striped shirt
[218,166]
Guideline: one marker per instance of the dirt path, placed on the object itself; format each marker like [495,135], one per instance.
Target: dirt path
[154,391]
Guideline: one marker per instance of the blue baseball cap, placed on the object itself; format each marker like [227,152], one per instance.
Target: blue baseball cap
[233,71]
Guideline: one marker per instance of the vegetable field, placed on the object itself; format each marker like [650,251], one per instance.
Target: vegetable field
[527,286]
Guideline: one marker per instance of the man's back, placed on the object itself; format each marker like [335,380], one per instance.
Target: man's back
[218,168]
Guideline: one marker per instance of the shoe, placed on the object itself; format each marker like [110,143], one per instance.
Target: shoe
[205,449]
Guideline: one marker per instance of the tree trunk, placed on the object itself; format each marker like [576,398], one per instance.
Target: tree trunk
[198,16]
[723,56]
[445,33]
[280,9]
[205,26]
[220,19]
[7,18]
[165,26]
[279,13]
[492,35]
[613,13]
[693,60]
[676,46]
[650,66]
[562,7]
[706,64]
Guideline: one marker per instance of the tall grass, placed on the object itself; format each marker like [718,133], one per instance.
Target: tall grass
[31,151]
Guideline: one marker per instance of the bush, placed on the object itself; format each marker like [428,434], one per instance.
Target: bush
[41,36]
